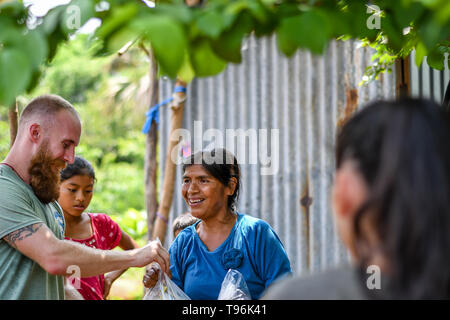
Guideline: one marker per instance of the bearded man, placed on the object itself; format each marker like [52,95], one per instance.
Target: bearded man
[34,257]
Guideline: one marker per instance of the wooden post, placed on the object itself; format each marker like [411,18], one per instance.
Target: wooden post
[13,123]
[176,120]
[403,77]
[151,162]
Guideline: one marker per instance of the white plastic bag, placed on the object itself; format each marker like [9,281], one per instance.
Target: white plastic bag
[234,287]
[165,289]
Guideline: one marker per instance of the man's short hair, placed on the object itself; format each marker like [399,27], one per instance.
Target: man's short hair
[44,108]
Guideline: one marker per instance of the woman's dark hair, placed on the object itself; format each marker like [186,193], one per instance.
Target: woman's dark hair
[222,165]
[402,150]
[79,166]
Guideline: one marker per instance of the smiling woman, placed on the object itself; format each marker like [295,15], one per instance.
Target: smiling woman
[223,238]
[211,184]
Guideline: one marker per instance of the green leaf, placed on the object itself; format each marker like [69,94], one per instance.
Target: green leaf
[269,2]
[14,9]
[186,72]
[181,13]
[167,39]
[119,16]
[34,81]
[211,24]
[255,9]
[267,25]
[236,7]
[54,40]
[35,46]
[228,46]
[15,73]
[443,14]
[204,61]
[435,59]
[430,33]
[5,22]
[359,20]
[393,33]
[51,20]
[258,11]
[339,25]
[31,43]
[120,38]
[286,46]
[12,37]
[407,13]
[308,30]
[420,53]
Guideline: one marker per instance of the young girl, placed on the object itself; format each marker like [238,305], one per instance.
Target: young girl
[95,230]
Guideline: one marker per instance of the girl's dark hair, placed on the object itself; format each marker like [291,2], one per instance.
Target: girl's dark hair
[79,166]
[401,148]
[222,165]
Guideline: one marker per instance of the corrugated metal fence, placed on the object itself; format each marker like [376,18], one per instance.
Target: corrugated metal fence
[302,99]
[427,82]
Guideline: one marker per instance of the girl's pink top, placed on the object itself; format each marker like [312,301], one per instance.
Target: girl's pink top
[106,236]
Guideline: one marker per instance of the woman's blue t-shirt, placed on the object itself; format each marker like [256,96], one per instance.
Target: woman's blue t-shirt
[200,272]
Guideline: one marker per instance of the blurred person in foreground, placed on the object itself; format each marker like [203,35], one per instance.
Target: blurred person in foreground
[392,207]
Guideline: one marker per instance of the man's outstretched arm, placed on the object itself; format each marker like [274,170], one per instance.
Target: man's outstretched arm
[38,243]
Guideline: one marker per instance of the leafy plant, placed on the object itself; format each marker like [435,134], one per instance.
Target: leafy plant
[201,40]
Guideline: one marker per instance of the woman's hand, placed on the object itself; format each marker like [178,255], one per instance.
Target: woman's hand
[151,275]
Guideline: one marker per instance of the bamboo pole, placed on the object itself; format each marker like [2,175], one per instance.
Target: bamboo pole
[403,77]
[176,120]
[151,162]
[13,119]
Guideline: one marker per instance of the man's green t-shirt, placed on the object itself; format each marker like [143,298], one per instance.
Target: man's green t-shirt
[21,277]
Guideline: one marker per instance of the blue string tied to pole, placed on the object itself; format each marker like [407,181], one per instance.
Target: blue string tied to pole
[153,113]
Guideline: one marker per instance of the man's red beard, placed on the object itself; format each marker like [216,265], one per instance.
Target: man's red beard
[45,175]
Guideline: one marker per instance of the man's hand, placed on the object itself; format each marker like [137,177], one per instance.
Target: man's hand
[153,252]
[55,256]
